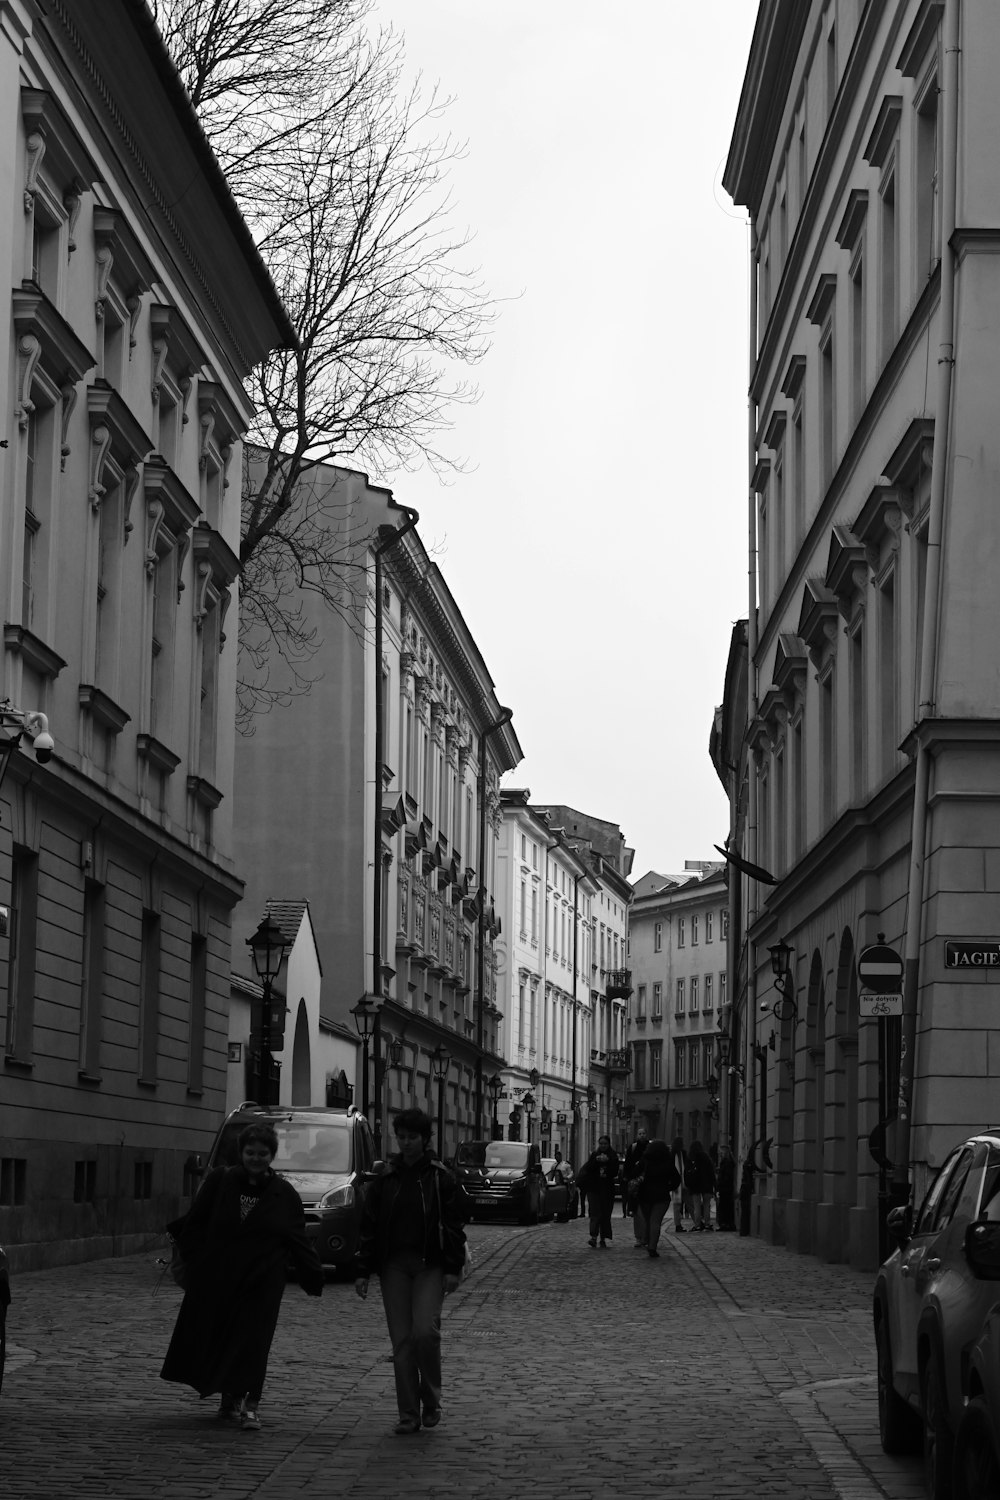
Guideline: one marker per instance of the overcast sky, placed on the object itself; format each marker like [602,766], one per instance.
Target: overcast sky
[597,544]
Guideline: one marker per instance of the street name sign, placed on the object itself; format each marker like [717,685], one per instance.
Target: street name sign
[873,1003]
[972,953]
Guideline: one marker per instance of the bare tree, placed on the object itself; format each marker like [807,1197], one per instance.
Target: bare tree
[341,174]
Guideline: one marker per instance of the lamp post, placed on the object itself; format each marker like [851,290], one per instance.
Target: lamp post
[528,1105]
[783,982]
[441,1058]
[365,1014]
[268,948]
[495,1087]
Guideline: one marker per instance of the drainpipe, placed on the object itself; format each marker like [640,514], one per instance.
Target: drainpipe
[932,605]
[379,551]
[750,1013]
[506,714]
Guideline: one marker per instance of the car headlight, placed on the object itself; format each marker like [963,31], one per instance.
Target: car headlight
[342,1197]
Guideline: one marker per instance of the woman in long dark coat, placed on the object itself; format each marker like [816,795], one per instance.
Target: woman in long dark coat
[658,1177]
[245,1226]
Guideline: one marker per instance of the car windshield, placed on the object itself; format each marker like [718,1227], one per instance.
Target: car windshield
[471,1154]
[505,1154]
[303,1146]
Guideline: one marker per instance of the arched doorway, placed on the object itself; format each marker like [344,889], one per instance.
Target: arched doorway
[301,1058]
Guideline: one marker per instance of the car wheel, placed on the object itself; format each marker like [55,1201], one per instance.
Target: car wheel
[898,1424]
[938,1442]
[976,1472]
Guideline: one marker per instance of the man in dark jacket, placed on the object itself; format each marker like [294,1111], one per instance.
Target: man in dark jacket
[630,1171]
[599,1177]
[412,1235]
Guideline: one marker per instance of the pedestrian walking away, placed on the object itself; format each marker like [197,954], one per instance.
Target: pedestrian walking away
[600,1176]
[658,1177]
[630,1172]
[680,1162]
[699,1179]
[412,1236]
[242,1230]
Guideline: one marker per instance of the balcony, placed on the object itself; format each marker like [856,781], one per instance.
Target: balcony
[619,984]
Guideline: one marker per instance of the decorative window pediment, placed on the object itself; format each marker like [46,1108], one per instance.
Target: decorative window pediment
[773,717]
[881,517]
[819,619]
[846,568]
[919,37]
[102,709]
[789,673]
[912,457]
[174,347]
[52,147]
[215,567]
[171,512]
[34,653]
[822,299]
[774,434]
[120,261]
[884,131]
[220,421]
[794,377]
[853,221]
[118,445]
[761,476]
[48,351]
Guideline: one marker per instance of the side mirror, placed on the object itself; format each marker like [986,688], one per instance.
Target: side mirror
[375,1170]
[982,1249]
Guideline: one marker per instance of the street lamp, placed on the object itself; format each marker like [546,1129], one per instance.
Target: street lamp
[783,982]
[495,1087]
[365,1015]
[528,1105]
[268,948]
[441,1058]
[395,1052]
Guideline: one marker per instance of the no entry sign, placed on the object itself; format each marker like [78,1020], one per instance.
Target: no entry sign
[880,969]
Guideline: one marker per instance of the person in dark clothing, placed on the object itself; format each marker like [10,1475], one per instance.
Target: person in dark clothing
[725,1184]
[680,1160]
[412,1236]
[599,1177]
[658,1177]
[242,1230]
[630,1171]
[700,1183]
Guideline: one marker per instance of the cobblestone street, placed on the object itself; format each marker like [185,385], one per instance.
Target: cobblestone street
[726,1368]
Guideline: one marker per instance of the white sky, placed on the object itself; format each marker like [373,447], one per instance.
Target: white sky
[597,545]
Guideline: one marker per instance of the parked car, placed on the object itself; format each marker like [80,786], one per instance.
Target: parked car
[4,1304]
[976,1470]
[931,1300]
[324,1154]
[562,1195]
[503,1179]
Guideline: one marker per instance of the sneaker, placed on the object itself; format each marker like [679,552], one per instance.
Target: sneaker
[405,1426]
[249,1420]
[655,1254]
[432,1416]
[604,1244]
[592,1244]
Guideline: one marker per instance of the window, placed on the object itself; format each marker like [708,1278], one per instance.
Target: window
[655,1066]
[888,269]
[524,846]
[534,915]
[524,909]
[92,989]
[534,856]
[20,1023]
[926,249]
[859,335]
[521,1014]
[657,937]
[722,987]
[693,1003]
[798,471]
[708,1001]
[708,927]
[694,932]
[13,1181]
[680,1059]
[693,1062]
[887,687]
[196,1023]
[707,1047]
[149,997]
[639,1066]
[84,1181]
[859,713]
[828,397]
[640,1003]
[679,1002]
[724,924]
[143,1180]
[657,1001]
[680,932]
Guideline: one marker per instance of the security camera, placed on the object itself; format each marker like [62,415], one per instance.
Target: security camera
[43,745]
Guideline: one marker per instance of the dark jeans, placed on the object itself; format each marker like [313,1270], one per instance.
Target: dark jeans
[601,1208]
[412,1294]
[653,1220]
